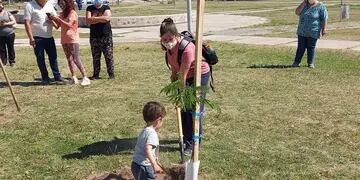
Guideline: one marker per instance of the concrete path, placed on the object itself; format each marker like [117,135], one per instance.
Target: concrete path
[213,23]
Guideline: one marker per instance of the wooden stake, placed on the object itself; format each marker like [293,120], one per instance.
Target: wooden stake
[198,59]
[11,90]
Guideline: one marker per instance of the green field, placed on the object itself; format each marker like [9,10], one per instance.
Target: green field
[276,123]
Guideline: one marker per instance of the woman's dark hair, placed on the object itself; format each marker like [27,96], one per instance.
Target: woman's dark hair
[152,111]
[69,5]
[168,25]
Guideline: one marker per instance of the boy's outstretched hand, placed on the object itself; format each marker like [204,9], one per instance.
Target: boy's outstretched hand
[158,169]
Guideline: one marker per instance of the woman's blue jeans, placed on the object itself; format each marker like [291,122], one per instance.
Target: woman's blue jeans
[187,116]
[309,44]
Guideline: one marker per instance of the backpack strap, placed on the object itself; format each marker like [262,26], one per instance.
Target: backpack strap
[212,79]
[166,60]
[182,46]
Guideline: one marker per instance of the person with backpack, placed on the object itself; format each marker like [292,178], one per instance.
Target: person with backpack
[183,68]
[7,36]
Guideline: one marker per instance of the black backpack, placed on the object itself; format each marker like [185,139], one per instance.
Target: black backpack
[207,52]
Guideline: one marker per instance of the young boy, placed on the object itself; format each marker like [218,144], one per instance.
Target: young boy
[145,165]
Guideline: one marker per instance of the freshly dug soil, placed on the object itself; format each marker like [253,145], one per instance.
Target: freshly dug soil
[176,172]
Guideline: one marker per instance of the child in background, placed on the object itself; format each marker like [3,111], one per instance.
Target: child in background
[145,164]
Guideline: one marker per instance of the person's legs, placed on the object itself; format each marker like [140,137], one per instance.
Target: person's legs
[50,49]
[310,46]
[76,57]
[79,4]
[96,54]
[10,47]
[142,172]
[107,49]
[204,82]
[3,54]
[68,53]
[40,59]
[300,51]
[187,126]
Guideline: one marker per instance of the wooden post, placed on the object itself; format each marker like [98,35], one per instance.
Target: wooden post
[181,135]
[198,60]
[11,90]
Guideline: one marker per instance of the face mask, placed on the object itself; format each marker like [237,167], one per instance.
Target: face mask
[169,45]
[311,1]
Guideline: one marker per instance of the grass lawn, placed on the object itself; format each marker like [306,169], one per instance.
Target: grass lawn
[276,123]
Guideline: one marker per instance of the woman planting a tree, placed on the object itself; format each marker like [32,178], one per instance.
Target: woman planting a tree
[183,69]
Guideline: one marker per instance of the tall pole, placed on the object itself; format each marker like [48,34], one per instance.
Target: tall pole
[198,60]
[189,13]
[11,90]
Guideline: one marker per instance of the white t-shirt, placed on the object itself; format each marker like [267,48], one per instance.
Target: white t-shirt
[40,26]
[147,136]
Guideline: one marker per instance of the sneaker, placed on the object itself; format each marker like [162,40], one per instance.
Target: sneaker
[58,79]
[12,64]
[295,65]
[74,80]
[46,81]
[95,77]
[188,151]
[112,77]
[312,66]
[85,81]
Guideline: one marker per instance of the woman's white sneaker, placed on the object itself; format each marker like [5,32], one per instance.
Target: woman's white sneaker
[74,80]
[85,81]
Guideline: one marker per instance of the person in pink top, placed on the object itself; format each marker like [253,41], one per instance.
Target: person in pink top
[68,21]
[183,70]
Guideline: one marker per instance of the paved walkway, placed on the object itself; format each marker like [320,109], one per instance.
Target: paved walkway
[213,23]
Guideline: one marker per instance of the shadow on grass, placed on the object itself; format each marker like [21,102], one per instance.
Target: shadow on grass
[270,66]
[37,82]
[23,83]
[116,146]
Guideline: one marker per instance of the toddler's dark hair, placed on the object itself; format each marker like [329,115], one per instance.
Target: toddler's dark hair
[152,111]
[168,25]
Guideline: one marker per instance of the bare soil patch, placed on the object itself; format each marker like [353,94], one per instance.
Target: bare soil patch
[176,172]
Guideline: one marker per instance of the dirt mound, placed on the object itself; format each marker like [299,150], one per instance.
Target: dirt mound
[176,172]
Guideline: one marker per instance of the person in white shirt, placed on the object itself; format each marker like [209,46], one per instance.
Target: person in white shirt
[39,30]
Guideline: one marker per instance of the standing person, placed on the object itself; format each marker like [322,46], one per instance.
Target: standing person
[68,21]
[79,4]
[7,36]
[170,40]
[145,163]
[98,16]
[312,25]
[38,28]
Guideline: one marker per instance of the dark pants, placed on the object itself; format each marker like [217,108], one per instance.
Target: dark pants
[142,172]
[7,42]
[79,4]
[102,45]
[309,44]
[47,45]
[187,116]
